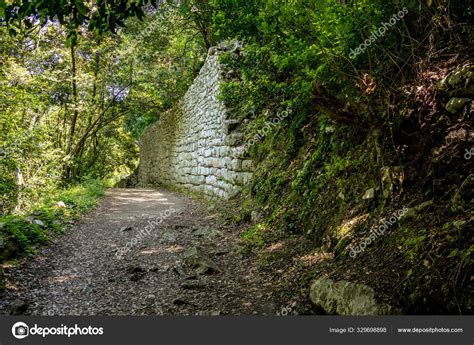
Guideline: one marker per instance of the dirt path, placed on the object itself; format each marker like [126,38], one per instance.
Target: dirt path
[88,272]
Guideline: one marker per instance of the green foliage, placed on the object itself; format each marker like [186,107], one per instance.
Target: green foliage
[100,16]
[414,243]
[55,128]
[20,234]
[163,62]
[83,195]
[288,46]
[255,236]
[439,262]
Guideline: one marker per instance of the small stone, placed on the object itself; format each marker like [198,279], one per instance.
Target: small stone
[192,285]
[206,269]
[369,194]
[60,204]
[149,299]
[413,211]
[247,165]
[254,216]
[126,228]
[39,222]
[221,252]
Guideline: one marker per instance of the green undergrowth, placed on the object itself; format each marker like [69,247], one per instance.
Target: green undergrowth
[20,234]
[439,258]
[311,178]
[318,191]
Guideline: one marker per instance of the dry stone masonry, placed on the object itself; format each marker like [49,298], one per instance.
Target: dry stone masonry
[195,145]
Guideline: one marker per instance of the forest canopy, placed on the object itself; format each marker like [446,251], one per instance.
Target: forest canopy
[80,80]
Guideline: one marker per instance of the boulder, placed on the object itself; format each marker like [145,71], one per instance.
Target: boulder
[345,298]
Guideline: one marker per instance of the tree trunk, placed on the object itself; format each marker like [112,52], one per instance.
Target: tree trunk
[75,113]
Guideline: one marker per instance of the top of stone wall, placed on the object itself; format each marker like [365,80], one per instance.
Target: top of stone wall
[194,145]
[226,46]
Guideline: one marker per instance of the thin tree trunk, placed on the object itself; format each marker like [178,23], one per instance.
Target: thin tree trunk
[75,113]
[74,97]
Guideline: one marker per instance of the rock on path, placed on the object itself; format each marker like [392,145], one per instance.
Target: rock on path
[127,257]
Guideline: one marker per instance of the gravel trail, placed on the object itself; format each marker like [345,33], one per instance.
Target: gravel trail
[86,271]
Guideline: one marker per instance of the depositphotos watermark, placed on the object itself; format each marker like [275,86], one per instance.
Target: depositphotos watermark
[469,153]
[146,231]
[285,311]
[274,122]
[377,232]
[21,330]
[380,32]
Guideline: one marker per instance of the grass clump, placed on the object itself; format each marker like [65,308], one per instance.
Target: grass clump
[20,234]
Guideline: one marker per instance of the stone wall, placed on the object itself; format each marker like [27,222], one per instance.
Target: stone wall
[195,145]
